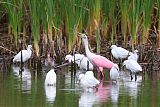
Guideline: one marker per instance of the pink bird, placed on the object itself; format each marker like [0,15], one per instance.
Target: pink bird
[98,61]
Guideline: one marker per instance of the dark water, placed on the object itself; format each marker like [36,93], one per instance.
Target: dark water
[28,90]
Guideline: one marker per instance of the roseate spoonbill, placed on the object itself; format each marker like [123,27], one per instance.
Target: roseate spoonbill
[88,80]
[51,78]
[114,73]
[134,55]
[98,61]
[26,54]
[82,61]
[133,67]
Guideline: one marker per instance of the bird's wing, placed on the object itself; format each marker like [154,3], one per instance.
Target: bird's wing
[101,61]
[18,56]
[122,52]
[134,66]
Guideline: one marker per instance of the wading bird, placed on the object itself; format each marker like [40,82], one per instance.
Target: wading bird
[26,54]
[82,61]
[114,73]
[134,55]
[133,67]
[119,53]
[88,81]
[98,61]
[51,78]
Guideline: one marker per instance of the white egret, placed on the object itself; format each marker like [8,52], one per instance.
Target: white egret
[133,67]
[26,54]
[114,73]
[119,52]
[82,61]
[134,55]
[88,81]
[51,78]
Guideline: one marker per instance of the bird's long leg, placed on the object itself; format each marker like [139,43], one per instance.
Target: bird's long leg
[131,76]
[120,62]
[100,73]
[135,77]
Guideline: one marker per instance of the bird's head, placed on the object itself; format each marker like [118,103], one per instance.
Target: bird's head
[84,38]
[80,77]
[29,47]
[113,46]
[136,51]
[89,73]
[68,58]
[116,66]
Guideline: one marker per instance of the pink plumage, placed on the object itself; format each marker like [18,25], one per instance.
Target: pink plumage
[101,61]
[98,61]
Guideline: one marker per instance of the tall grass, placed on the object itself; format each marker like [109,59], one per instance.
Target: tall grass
[101,18]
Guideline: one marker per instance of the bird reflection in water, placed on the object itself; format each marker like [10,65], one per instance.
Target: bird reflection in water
[50,93]
[114,94]
[88,99]
[24,77]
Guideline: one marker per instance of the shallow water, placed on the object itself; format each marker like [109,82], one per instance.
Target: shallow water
[28,90]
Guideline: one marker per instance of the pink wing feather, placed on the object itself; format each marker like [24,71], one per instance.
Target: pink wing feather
[101,61]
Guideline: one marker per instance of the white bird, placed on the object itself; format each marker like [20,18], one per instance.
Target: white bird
[114,73]
[133,67]
[82,61]
[134,55]
[26,54]
[51,78]
[88,80]
[119,52]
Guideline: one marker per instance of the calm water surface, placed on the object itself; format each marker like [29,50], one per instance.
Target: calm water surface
[28,90]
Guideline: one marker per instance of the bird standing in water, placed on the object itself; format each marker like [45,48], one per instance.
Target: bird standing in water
[98,61]
[119,53]
[133,67]
[114,73]
[26,54]
[81,60]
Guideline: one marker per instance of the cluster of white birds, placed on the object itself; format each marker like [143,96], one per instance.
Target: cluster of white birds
[131,63]
[87,79]
[81,60]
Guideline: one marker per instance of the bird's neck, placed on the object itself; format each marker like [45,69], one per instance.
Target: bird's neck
[88,52]
[29,50]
